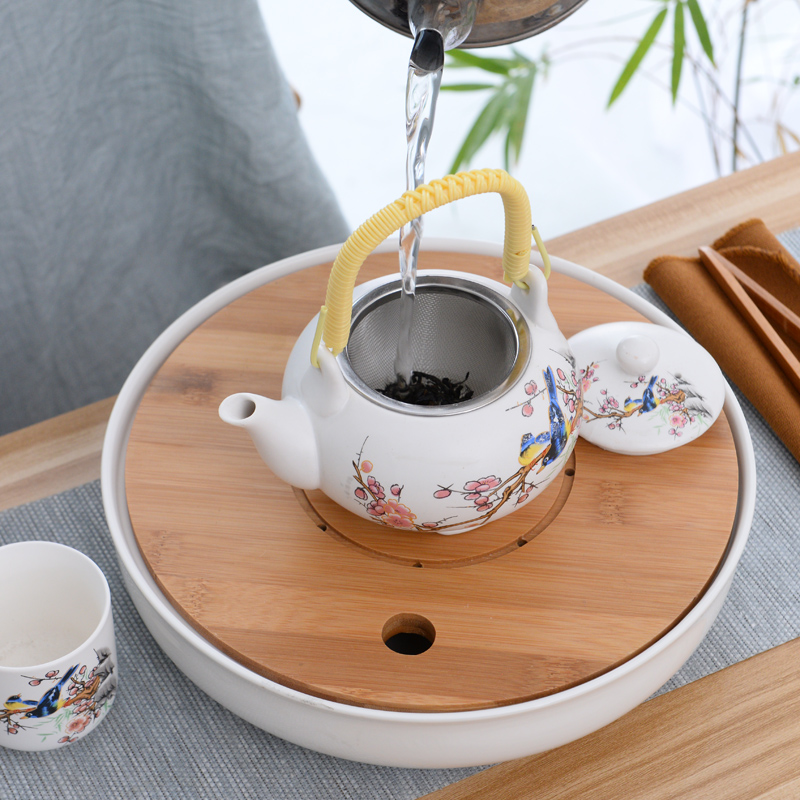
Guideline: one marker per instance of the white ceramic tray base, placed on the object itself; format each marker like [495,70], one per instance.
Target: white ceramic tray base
[392,738]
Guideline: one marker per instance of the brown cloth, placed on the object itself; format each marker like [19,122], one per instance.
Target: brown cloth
[694,297]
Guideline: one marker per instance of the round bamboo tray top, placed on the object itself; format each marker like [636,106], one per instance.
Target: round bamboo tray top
[294,587]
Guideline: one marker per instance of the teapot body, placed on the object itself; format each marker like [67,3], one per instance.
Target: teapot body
[444,470]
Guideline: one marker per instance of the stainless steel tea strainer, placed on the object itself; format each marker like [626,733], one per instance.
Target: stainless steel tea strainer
[460,328]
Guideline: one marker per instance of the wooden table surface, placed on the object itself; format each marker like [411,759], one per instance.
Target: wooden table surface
[734,734]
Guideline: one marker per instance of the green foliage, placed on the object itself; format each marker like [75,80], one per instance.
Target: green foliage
[638,55]
[506,110]
[509,82]
[678,44]
[678,48]
[702,29]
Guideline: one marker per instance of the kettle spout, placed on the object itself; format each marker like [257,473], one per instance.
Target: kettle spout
[282,433]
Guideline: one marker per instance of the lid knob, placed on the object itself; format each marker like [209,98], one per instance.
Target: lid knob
[637,354]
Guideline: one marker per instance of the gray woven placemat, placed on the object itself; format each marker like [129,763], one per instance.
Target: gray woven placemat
[164,738]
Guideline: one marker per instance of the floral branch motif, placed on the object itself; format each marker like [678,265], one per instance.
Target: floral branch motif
[488,494]
[677,402]
[78,698]
[388,511]
[567,386]
[532,391]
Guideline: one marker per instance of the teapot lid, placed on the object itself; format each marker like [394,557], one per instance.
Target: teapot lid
[646,388]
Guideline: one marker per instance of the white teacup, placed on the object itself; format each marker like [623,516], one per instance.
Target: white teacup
[58,665]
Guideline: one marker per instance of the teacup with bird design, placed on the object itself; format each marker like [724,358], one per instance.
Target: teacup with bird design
[58,674]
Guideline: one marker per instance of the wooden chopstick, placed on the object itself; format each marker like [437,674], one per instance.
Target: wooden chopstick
[780,315]
[717,265]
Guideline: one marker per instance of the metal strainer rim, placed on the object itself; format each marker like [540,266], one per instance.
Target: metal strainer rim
[384,292]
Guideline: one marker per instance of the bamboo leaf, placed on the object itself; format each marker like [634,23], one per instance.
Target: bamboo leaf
[701,28]
[523,91]
[488,122]
[638,54]
[506,111]
[467,87]
[463,58]
[678,46]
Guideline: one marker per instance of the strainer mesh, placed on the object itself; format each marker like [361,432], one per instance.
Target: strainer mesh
[453,333]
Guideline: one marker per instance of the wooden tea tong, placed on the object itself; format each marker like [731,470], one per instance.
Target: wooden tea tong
[756,304]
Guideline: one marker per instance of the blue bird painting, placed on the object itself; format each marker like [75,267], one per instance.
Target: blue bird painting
[546,447]
[649,401]
[48,704]
[646,403]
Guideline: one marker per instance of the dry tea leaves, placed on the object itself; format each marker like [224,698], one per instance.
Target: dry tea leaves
[428,390]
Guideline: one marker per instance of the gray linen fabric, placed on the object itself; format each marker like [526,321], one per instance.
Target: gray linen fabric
[165,739]
[150,151]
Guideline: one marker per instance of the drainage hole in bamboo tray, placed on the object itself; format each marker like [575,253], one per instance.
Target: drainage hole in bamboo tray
[408,634]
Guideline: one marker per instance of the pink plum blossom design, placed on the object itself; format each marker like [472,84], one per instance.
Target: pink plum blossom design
[78,724]
[372,497]
[672,405]
[375,489]
[491,492]
[74,700]
[392,513]
[487,494]
[396,515]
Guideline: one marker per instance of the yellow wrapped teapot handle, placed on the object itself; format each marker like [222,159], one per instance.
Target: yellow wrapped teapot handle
[334,318]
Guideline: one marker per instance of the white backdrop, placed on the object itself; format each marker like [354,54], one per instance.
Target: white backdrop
[580,163]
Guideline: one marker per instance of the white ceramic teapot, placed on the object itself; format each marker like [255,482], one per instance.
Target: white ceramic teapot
[445,468]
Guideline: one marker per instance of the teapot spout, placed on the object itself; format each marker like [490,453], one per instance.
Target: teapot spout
[282,433]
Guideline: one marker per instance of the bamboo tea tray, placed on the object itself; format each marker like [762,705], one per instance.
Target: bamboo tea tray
[298,590]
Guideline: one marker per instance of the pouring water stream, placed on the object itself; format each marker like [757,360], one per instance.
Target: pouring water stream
[422,90]
[439,25]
